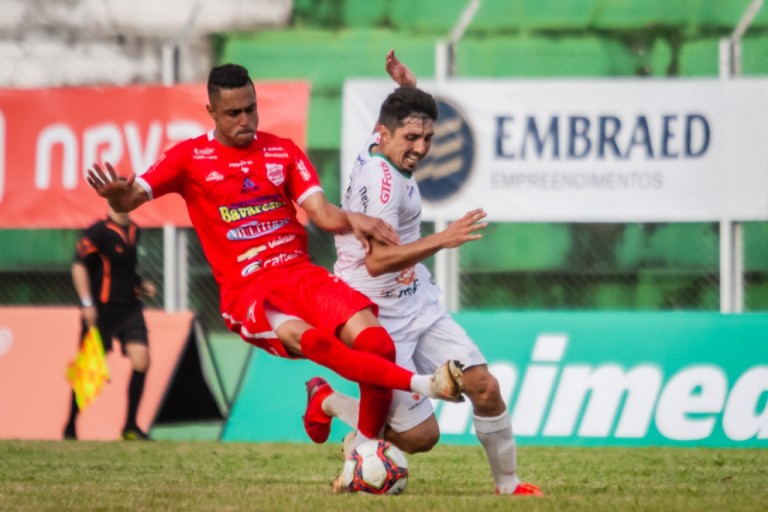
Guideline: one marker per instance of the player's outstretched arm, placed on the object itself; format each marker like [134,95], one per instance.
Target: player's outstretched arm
[384,259]
[333,219]
[122,194]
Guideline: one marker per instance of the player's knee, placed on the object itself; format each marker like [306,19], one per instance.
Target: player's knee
[313,344]
[423,442]
[141,365]
[138,354]
[420,438]
[482,388]
[376,340]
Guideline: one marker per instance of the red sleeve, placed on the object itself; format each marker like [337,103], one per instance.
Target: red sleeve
[167,174]
[301,174]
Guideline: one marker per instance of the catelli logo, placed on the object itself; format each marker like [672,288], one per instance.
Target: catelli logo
[449,164]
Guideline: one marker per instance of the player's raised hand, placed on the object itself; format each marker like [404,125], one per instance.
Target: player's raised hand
[108,183]
[465,229]
[118,191]
[398,71]
[365,226]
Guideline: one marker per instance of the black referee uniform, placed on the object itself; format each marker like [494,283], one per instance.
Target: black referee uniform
[109,253]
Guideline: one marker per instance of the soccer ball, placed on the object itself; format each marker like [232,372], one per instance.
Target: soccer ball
[376,467]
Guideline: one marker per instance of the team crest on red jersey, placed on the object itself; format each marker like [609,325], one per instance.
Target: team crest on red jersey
[275,174]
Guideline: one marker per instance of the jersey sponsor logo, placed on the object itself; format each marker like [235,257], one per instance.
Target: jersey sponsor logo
[277,242]
[251,253]
[408,282]
[406,276]
[449,165]
[255,251]
[410,189]
[386,183]
[203,154]
[275,174]
[255,229]
[277,259]
[214,176]
[248,186]
[281,258]
[243,165]
[276,155]
[250,268]
[303,171]
[275,148]
[364,198]
[240,212]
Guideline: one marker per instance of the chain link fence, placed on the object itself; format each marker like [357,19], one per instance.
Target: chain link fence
[516,266]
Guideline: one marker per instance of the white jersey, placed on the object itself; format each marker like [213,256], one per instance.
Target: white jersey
[378,188]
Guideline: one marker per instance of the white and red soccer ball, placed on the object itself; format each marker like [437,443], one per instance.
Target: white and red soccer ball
[376,467]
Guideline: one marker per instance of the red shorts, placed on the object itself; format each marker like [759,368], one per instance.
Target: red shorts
[302,289]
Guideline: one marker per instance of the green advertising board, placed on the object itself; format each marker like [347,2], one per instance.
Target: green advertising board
[589,379]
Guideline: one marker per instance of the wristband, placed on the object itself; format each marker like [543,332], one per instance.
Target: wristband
[87,303]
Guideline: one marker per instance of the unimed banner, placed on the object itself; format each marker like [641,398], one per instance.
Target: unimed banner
[49,137]
[578,379]
[585,150]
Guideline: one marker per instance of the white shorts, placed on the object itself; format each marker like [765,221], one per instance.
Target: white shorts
[428,339]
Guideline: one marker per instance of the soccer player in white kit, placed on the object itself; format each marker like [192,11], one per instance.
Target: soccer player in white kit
[382,185]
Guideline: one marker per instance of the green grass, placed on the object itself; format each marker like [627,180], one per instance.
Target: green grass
[212,476]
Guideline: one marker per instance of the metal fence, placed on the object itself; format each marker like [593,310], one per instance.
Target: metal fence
[516,266]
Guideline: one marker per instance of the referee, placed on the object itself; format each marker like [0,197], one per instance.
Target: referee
[105,278]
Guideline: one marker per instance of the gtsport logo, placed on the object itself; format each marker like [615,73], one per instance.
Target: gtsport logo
[386,183]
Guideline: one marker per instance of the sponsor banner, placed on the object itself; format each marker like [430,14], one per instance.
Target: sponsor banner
[578,379]
[49,137]
[585,150]
[35,346]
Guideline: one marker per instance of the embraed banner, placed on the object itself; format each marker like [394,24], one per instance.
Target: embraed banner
[585,150]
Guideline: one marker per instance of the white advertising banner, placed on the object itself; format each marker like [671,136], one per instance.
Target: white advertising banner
[585,150]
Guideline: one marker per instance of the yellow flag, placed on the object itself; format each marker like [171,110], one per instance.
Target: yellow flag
[88,372]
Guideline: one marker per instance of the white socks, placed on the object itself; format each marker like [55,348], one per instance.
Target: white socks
[420,385]
[343,407]
[495,434]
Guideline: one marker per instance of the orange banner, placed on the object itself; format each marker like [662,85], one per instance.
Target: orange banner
[35,346]
[49,137]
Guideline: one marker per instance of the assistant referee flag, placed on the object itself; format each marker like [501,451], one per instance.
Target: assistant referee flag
[88,372]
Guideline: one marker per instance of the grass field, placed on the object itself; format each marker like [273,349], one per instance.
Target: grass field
[212,476]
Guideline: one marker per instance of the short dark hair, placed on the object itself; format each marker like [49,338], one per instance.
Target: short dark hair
[405,102]
[227,76]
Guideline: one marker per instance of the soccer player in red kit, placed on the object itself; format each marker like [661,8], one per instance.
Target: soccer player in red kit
[239,185]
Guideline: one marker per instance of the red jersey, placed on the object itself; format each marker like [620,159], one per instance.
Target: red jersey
[240,201]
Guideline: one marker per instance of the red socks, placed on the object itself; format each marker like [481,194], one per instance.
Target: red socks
[374,400]
[369,364]
[354,365]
